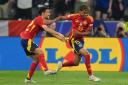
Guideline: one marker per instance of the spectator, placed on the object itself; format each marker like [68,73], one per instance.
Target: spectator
[126,10]
[103,9]
[120,30]
[60,7]
[4,8]
[24,9]
[126,27]
[36,4]
[118,9]
[48,3]
[79,3]
[70,5]
[125,3]
[100,32]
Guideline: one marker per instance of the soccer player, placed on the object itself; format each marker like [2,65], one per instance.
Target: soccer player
[82,23]
[31,49]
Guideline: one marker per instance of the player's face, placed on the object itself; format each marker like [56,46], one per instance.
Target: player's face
[84,13]
[46,14]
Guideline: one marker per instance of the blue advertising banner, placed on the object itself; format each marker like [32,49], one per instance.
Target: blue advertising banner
[108,54]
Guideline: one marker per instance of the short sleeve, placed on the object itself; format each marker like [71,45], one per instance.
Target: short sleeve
[70,16]
[90,19]
[39,21]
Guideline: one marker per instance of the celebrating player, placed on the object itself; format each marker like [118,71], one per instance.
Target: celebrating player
[31,49]
[82,23]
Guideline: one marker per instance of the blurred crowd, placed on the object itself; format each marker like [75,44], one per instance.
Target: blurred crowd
[100,9]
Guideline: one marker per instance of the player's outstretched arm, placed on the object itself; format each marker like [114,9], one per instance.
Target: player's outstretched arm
[54,20]
[47,21]
[61,18]
[54,33]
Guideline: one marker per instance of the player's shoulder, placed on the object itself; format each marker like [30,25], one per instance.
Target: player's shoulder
[76,15]
[73,15]
[89,19]
[39,18]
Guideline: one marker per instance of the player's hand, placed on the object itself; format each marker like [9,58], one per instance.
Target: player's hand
[67,39]
[62,38]
[58,18]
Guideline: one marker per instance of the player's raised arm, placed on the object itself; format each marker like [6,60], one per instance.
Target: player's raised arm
[54,33]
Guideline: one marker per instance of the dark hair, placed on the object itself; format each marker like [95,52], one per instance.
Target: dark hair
[120,29]
[43,9]
[84,7]
[99,29]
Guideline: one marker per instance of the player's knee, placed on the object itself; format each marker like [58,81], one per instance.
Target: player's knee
[86,53]
[39,52]
[35,59]
[76,63]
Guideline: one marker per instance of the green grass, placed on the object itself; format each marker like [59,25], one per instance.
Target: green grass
[64,78]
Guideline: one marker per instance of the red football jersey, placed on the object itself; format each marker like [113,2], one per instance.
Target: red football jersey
[79,24]
[33,28]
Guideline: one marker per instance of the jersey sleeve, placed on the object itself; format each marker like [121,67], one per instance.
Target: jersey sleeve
[39,21]
[90,22]
[90,19]
[70,16]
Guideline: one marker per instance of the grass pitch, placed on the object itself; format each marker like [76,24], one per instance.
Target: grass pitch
[64,78]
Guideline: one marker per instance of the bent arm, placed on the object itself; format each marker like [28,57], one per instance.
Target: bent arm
[49,21]
[54,33]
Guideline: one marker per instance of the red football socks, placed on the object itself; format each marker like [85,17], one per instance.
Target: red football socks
[43,62]
[32,69]
[88,65]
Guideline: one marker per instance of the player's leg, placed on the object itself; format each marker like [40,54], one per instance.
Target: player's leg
[31,50]
[31,72]
[27,45]
[41,58]
[77,59]
[69,61]
[79,50]
[40,67]
[72,59]
[86,55]
[78,47]
[87,60]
